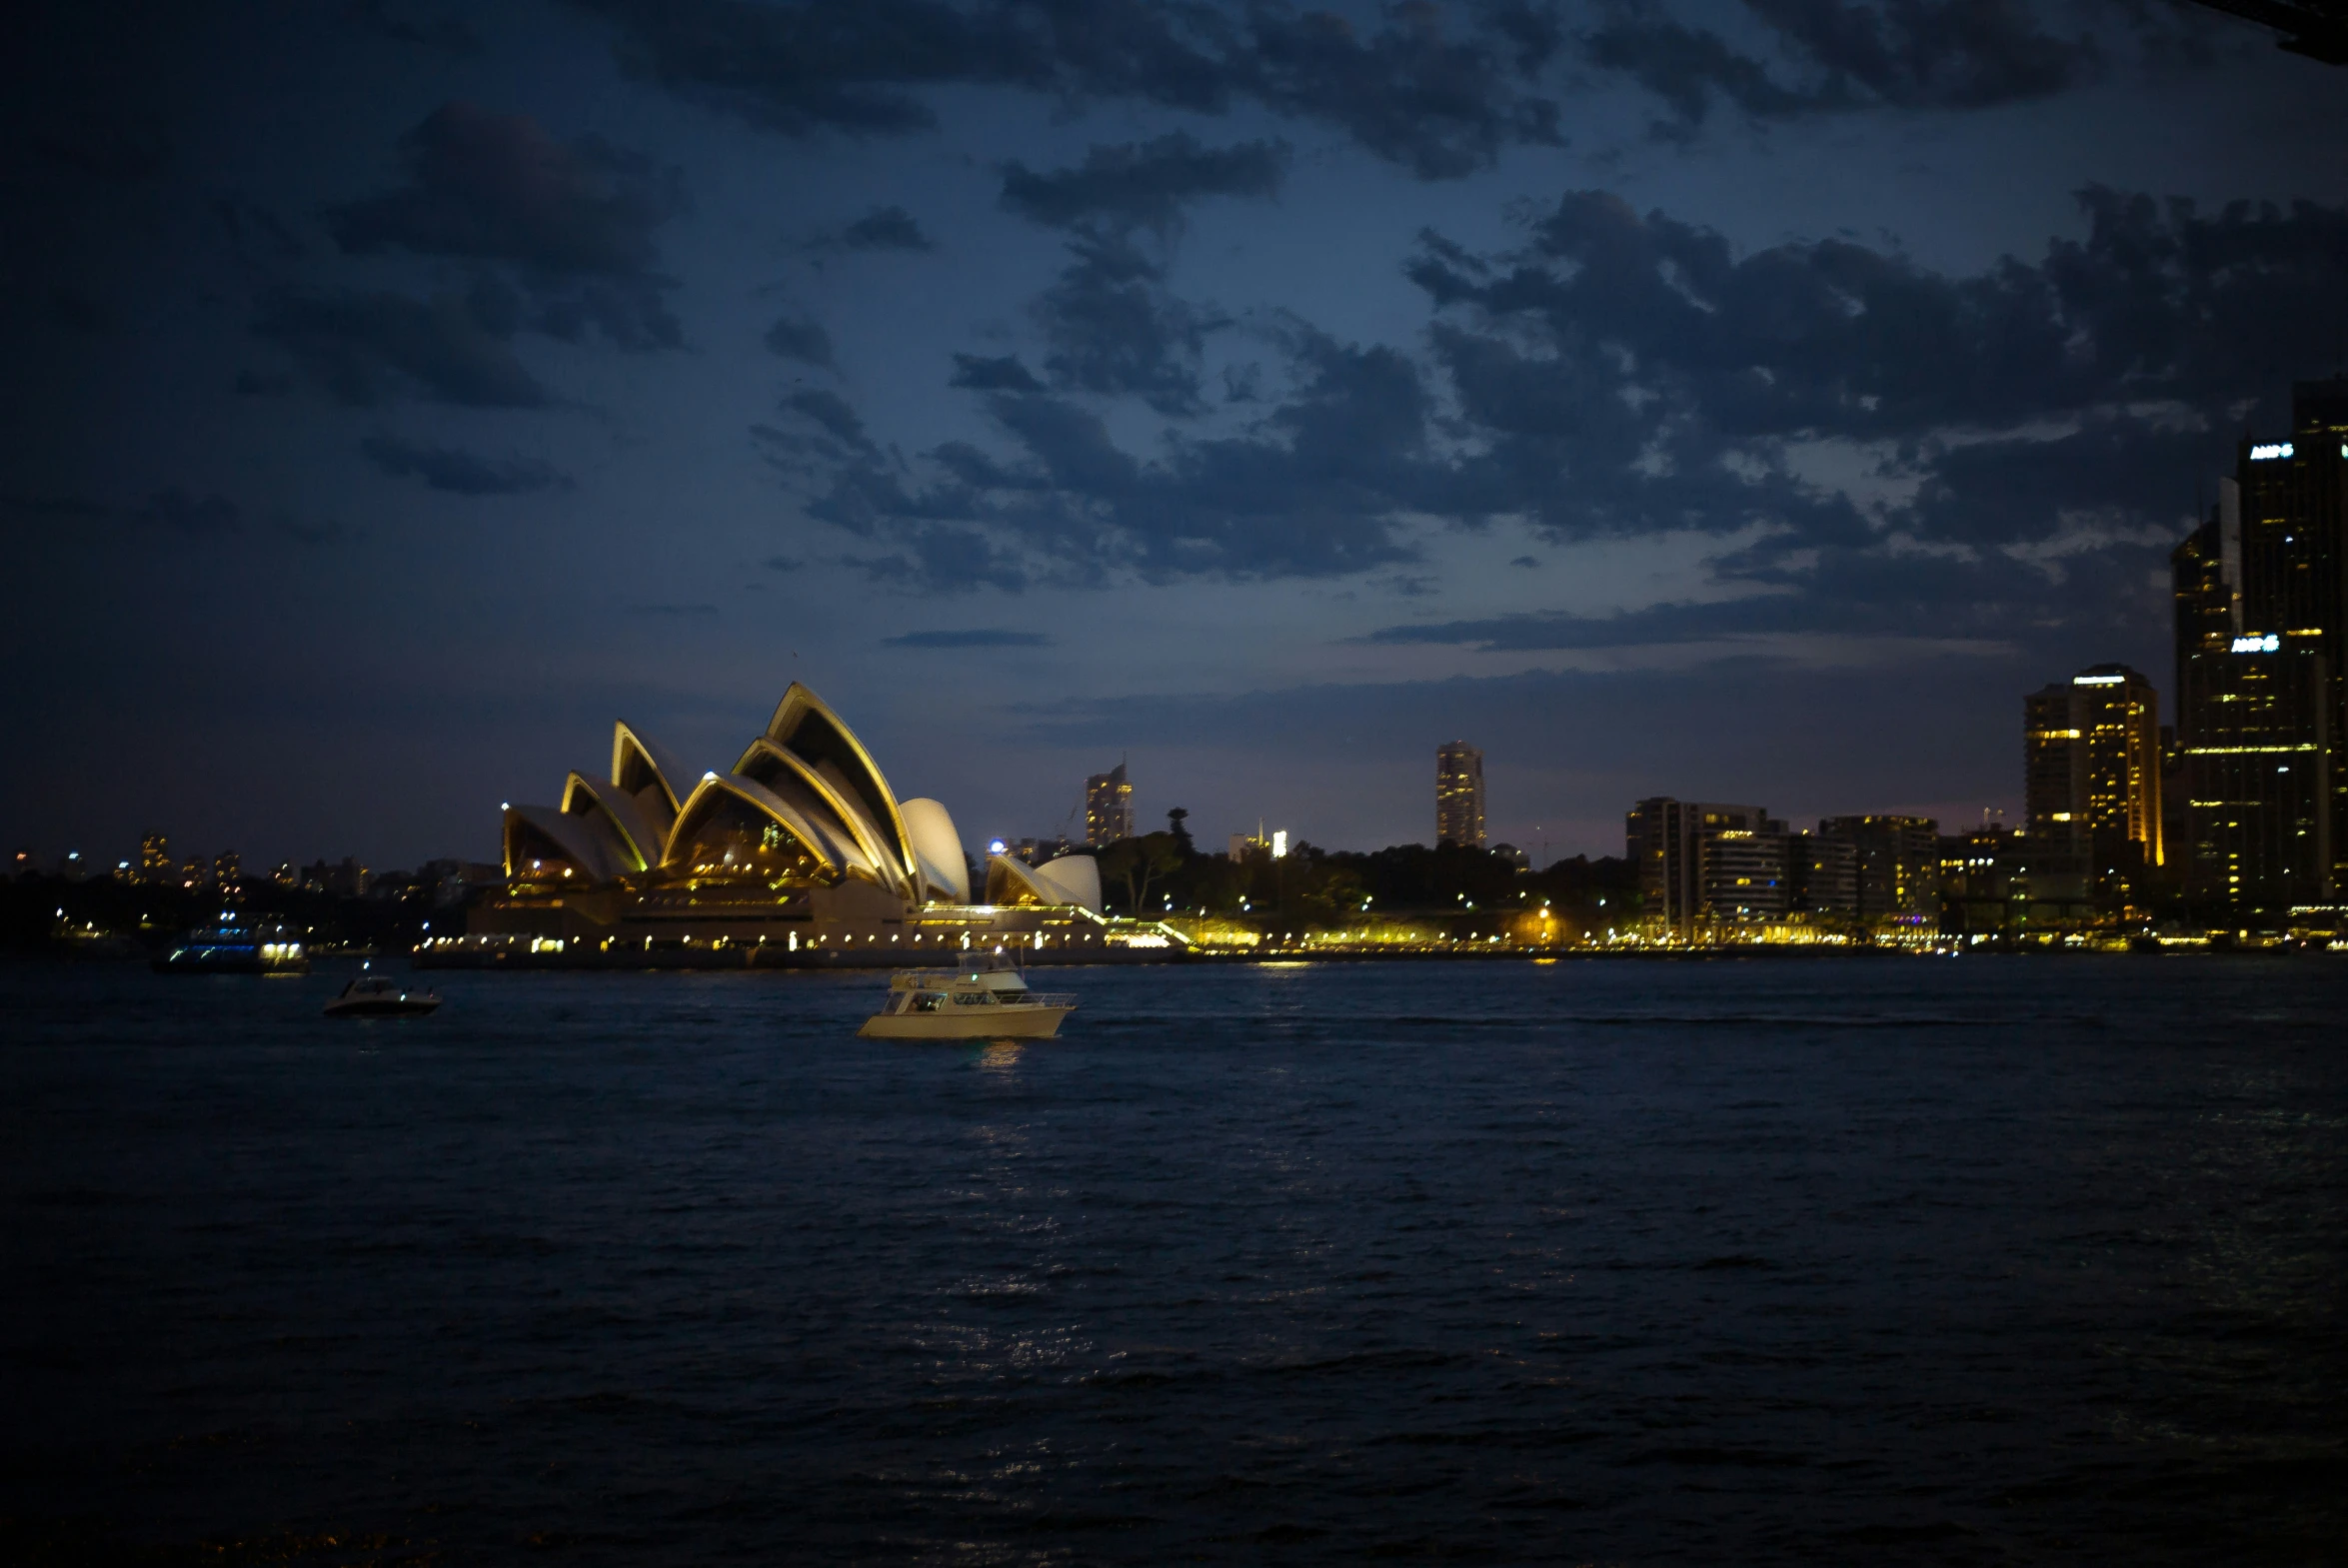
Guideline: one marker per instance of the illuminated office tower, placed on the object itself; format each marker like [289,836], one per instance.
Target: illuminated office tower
[1459,795]
[2260,718]
[1667,840]
[227,870]
[2092,765]
[2259,766]
[154,859]
[1108,807]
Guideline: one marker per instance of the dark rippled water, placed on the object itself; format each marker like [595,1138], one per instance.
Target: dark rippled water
[1808,1261]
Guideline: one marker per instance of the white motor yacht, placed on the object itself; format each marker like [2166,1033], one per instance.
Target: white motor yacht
[986,999]
[372,995]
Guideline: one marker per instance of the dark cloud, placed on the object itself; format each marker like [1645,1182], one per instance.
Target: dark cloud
[1907,453]
[1111,326]
[174,510]
[1320,487]
[886,228]
[122,146]
[1613,342]
[800,338]
[783,564]
[460,473]
[60,508]
[441,32]
[1830,55]
[975,636]
[1440,96]
[260,384]
[574,221]
[70,307]
[365,348]
[254,232]
[832,412]
[1004,374]
[1142,185]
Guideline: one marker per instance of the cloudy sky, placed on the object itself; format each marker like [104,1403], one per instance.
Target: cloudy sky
[1745,399]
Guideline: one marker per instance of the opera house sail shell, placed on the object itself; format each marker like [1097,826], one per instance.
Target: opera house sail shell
[800,853]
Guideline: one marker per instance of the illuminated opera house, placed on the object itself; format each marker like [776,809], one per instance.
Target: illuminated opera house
[800,853]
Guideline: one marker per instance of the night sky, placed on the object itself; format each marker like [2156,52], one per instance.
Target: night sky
[1743,402]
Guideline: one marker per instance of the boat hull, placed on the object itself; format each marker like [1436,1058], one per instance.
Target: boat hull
[382,1008]
[966,1023]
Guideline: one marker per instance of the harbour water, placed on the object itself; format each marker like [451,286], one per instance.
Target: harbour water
[1970,1260]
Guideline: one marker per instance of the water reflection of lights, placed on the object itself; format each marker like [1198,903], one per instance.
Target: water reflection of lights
[999,1055]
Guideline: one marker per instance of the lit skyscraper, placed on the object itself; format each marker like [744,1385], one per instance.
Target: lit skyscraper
[2262,718]
[1108,807]
[1459,795]
[2091,765]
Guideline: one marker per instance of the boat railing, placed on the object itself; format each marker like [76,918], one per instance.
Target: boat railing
[1036,999]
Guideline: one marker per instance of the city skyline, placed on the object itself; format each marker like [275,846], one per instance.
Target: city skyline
[400,395]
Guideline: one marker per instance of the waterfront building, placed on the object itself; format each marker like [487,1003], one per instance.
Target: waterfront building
[1665,839]
[2093,763]
[802,853]
[226,869]
[154,857]
[345,878]
[1459,795]
[1108,807]
[1895,867]
[1823,879]
[2262,730]
[1745,875]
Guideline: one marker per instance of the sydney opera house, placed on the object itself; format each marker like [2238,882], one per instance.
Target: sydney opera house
[800,855]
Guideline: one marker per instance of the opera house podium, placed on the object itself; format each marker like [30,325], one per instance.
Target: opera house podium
[800,856]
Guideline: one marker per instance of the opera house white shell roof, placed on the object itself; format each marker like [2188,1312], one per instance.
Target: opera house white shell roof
[805,805]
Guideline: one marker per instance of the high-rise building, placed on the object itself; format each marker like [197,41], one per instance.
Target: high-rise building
[1747,874]
[1895,864]
[2092,776]
[227,869]
[1108,807]
[1459,795]
[2262,715]
[1823,872]
[154,857]
[1667,840]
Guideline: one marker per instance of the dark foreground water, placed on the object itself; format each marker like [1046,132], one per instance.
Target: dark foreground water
[1970,1260]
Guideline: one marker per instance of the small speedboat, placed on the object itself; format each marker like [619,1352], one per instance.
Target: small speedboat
[977,1002]
[380,996]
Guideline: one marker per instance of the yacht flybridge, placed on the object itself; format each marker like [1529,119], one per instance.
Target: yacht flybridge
[986,999]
